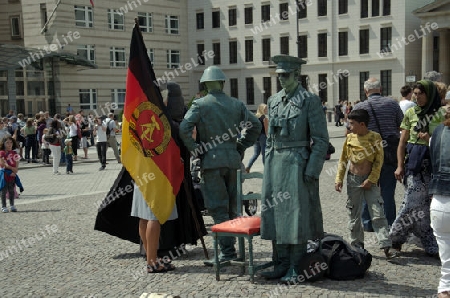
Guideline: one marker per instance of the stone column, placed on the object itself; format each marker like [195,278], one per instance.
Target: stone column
[444,55]
[427,54]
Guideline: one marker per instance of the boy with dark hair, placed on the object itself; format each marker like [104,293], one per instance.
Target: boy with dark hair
[364,149]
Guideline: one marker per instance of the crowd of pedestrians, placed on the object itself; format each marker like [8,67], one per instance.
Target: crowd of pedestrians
[34,140]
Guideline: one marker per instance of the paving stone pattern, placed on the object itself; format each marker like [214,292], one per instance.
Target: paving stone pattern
[50,249]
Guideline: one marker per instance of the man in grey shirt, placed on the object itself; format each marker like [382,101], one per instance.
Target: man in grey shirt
[112,141]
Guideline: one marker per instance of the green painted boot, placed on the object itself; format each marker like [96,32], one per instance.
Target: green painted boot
[296,252]
[282,250]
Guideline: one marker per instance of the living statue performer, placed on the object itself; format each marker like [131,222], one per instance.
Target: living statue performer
[219,119]
[297,142]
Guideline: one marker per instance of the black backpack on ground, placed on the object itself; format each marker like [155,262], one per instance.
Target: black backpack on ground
[345,262]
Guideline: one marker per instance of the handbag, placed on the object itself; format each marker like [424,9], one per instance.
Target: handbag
[390,151]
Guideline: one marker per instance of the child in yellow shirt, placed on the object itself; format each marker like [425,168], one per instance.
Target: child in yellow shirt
[363,148]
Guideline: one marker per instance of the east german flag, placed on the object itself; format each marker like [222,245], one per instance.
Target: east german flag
[149,151]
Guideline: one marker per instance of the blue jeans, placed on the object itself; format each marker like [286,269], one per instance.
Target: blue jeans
[69,163]
[258,148]
[387,185]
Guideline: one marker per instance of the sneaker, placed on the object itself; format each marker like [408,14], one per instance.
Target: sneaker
[101,168]
[57,173]
[5,210]
[71,172]
[67,172]
[13,209]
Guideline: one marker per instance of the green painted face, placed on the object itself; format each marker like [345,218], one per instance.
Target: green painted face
[288,81]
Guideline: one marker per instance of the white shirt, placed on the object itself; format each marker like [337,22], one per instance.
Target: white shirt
[405,105]
[101,134]
[73,130]
[112,126]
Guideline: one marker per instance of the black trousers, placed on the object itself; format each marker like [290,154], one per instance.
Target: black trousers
[101,152]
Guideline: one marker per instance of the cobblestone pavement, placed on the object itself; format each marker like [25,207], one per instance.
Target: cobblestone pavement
[50,249]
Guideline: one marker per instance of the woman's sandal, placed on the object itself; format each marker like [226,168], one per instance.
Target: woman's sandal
[169,266]
[151,269]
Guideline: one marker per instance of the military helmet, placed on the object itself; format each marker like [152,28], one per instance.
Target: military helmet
[212,73]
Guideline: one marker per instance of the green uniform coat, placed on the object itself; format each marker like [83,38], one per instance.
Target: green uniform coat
[290,208]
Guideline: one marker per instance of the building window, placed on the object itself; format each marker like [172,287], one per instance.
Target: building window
[151,55]
[233,51]
[386,82]
[115,20]
[234,88]
[364,9]
[88,99]
[284,11]
[363,76]
[118,97]
[44,18]
[386,7]
[386,39]
[200,20]
[87,52]
[343,6]
[15,27]
[267,87]
[302,9]
[173,58]
[216,19]
[265,13]
[172,25]
[322,40]
[323,87]
[145,21]
[364,41]
[200,53]
[343,88]
[343,43]
[284,45]
[216,50]
[117,57]
[248,15]
[232,21]
[303,46]
[375,8]
[84,17]
[436,41]
[304,81]
[249,50]
[322,8]
[266,49]
[250,91]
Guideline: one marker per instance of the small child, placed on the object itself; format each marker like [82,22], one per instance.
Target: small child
[364,149]
[68,151]
[45,148]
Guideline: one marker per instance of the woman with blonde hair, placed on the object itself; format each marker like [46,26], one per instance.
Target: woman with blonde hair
[260,145]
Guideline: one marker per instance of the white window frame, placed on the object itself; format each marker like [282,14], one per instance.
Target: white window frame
[117,98]
[88,50]
[151,55]
[148,27]
[168,23]
[92,93]
[113,16]
[88,20]
[12,20]
[170,62]
[113,58]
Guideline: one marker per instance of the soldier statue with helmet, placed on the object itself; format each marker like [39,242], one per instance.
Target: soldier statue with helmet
[218,119]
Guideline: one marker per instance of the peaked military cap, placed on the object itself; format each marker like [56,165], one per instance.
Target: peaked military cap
[287,64]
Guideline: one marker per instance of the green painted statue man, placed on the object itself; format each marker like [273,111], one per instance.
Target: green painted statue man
[297,143]
[219,120]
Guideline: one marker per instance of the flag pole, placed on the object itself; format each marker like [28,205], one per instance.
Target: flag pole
[186,188]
